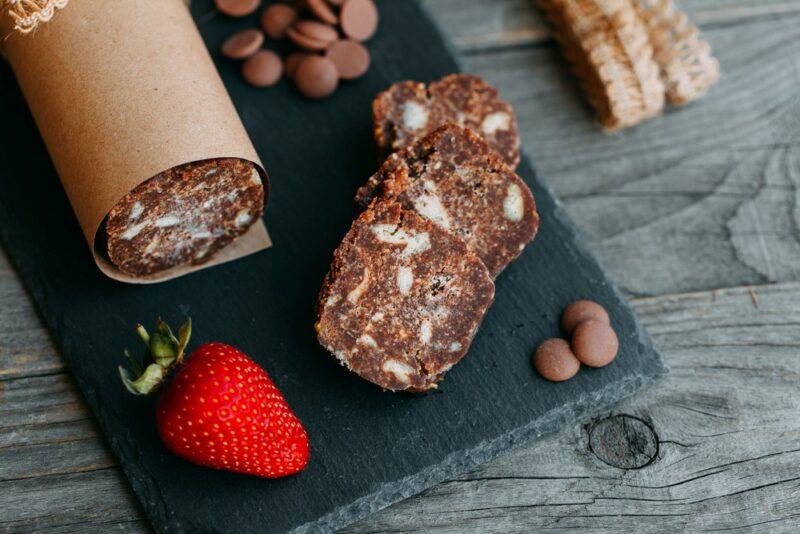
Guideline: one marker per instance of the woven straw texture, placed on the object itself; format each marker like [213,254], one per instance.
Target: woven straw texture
[609,49]
[687,66]
[27,14]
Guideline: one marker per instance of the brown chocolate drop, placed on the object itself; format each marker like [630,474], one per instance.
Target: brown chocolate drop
[555,361]
[237,8]
[595,343]
[308,43]
[322,11]
[582,310]
[293,61]
[359,19]
[278,18]
[350,57]
[317,77]
[243,44]
[317,30]
[264,69]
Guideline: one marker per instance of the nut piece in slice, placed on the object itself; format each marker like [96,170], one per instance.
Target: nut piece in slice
[183,215]
[402,300]
[453,178]
[409,110]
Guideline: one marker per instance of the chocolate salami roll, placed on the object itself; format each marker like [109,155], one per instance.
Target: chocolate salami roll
[453,178]
[409,110]
[402,300]
[183,215]
[121,113]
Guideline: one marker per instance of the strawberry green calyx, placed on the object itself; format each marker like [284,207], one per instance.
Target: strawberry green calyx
[163,352]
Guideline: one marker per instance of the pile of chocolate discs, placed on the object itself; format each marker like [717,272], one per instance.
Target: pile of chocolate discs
[328,36]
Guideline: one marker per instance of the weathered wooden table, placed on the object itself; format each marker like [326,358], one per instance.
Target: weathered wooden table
[697,217]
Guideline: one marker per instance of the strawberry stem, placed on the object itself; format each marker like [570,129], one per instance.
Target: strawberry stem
[164,351]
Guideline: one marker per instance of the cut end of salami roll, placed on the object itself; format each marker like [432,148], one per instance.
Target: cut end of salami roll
[182,216]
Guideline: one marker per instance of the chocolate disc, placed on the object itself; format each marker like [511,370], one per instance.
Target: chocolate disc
[594,343]
[293,61]
[350,57]
[317,77]
[306,42]
[322,11]
[582,310]
[237,8]
[243,44]
[317,30]
[359,19]
[555,361]
[278,18]
[265,68]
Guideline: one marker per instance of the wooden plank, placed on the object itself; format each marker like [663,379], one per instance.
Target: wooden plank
[99,501]
[727,430]
[703,197]
[478,26]
[726,425]
[25,345]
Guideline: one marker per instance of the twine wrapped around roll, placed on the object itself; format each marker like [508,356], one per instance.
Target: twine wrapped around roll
[27,14]
[131,107]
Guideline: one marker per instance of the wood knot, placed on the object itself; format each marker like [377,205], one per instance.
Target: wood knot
[623,441]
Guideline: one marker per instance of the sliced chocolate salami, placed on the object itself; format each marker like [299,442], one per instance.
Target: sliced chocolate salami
[402,300]
[183,215]
[453,178]
[410,110]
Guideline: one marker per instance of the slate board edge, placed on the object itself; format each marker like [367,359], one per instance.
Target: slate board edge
[155,507]
[460,462]
[147,489]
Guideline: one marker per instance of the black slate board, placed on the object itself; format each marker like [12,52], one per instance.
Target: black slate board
[369,448]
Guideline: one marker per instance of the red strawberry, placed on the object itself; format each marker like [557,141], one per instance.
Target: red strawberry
[220,409]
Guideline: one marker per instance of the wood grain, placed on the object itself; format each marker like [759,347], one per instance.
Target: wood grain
[726,422]
[727,431]
[705,197]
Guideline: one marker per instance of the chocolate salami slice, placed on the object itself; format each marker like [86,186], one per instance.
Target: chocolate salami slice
[409,110]
[402,300]
[453,178]
[183,215]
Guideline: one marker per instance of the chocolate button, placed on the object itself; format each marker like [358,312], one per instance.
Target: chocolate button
[293,61]
[317,30]
[594,343]
[263,69]
[278,18]
[322,11]
[243,44]
[317,77]
[237,8]
[555,361]
[350,57]
[304,41]
[582,310]
[359,19]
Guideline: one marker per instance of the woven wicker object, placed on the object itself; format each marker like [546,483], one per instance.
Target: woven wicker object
[687,66]
[27,14]
[609,49]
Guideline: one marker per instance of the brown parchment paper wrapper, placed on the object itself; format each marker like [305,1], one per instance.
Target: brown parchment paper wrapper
[121,91]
